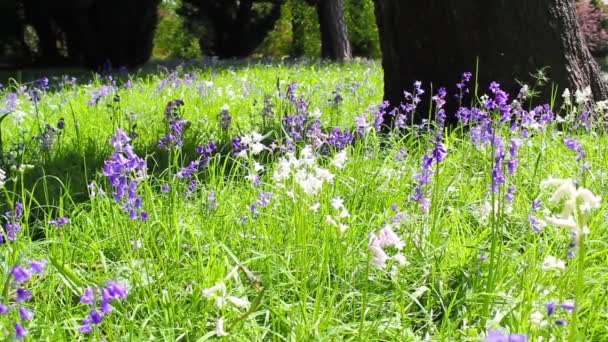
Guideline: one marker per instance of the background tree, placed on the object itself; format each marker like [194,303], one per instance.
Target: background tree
[434,41]
[230,28]
[13,49]
[335,43]
[83,32]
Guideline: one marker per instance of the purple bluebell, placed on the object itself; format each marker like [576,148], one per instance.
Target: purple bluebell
[569,306]
[537,204]
[225,119]
[99,93]
[510,195]
[25,314]
[62,221]
[20,332]
[535,222]
[440,151]
[499,336]
[23,295]
[11,101]
[89,296]
[211,200]
[550,308]
[575,146]
[125,170]
[264,198]
[21,274]
[379,115]
[4,309]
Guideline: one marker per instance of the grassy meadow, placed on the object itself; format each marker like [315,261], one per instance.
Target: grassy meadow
[264,202]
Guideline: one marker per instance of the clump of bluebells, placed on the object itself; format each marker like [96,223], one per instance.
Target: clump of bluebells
[125,171]
[104,296]
[20,276]
[13,224]
[174,136]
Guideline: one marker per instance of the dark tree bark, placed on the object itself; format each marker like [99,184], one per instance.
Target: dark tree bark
[230,28]
[335,44]
[93,32]
[434,41]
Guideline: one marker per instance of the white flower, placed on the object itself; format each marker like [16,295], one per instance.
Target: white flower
[537,318]
[572,198]
[316,113]
[339,159]
[225,107]
[563,223]
[337,203]
[583,96]
[240,302]
[219,328]
[18,117]
[420,291]
[315,207]
[218,292]
[552,263]
[566,95]
[257,167]
[385,238]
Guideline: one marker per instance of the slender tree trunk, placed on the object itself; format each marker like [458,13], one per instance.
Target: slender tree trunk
[434,41]
[334,35]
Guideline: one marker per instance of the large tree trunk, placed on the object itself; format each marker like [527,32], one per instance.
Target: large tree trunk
[434,41]
[334,36]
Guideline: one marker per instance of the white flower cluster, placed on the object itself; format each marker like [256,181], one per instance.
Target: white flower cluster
[2,178]
[254,144]
[307,174]
[338,221]
[386,238]
[578,203]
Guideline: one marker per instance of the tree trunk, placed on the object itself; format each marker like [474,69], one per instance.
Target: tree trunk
[334,36]
[434,41]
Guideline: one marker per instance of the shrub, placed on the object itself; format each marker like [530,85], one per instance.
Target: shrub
[590,19]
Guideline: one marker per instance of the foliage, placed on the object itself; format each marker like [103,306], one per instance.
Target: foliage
[591,20]
[259,201]
[171,38]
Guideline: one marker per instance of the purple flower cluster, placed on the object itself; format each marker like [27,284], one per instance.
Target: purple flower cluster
[498,176]
[62,221]
[225,118]
[551,309]
[99,93]
[107,294]
[13,224]
[432,157]
[125,170]
[499,102]
[499,336]
[513,162]
[11,101]
[38,88]
[379,115]
[575,146]
[462,85]
[295,126]
[205,152]
[21,275]
[176,126]
[339,138]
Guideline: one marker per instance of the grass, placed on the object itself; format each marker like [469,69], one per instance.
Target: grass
[302,261]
